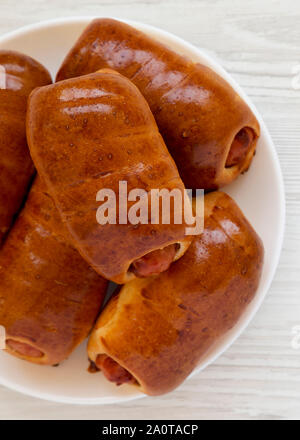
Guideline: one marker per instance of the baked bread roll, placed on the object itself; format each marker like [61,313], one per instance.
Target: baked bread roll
[91,133]
[154,332]
[50,297]
[209,130]
[19,75]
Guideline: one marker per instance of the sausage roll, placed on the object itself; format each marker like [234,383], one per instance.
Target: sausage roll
[154,332]
[90,134]
[19,75]
[209,130]
[49,296]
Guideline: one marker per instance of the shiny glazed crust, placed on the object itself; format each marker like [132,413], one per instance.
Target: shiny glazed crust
[90,133]
[50,297]
[197,112]
[23,74]
[159,328]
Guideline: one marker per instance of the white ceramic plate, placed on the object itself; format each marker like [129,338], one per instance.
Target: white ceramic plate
[259,193]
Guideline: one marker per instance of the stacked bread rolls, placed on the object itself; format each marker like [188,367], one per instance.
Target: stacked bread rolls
[127,110]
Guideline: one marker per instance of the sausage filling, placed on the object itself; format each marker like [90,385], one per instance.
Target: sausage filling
[240,147]
[24,349]
[113,371]
[155,262]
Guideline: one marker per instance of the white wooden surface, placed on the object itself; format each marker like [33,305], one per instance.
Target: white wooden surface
[258,42]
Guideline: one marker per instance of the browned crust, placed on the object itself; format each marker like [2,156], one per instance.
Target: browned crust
[23,74]
[197,112]
[89,133]
[50,297]
[160,328]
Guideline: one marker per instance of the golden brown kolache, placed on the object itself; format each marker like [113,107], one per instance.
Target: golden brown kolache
[50,297]
[91,133]
[182,312]
[208,128]
[19,75]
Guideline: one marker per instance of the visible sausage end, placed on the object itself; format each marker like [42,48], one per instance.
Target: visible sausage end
[113,371]
[24,349]
[155,262]
[240,147]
